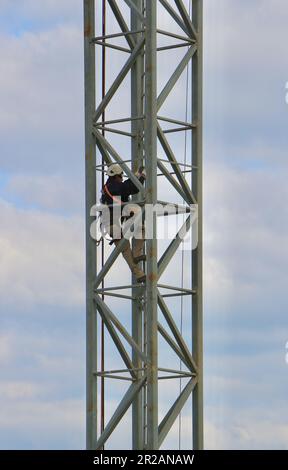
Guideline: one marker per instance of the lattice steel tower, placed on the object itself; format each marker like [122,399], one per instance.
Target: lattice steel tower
[148,31]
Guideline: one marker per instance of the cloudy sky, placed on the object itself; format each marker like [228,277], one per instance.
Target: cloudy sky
[42,329]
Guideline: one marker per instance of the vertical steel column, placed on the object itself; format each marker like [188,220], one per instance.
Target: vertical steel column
[91,261]
[137,160]
[197,254]
[151,198]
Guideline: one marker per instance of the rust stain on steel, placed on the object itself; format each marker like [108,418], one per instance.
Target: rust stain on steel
[87,31]
[153,277]
[151,253]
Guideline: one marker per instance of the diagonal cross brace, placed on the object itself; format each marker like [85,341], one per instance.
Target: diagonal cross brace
[119,79]
[186,18]
[108,314]
[172,181]
[118,343]
[171,157]
[122,23]
[174,15]
[109,263]
[106,145]
[172,344]
[174,411]
[175,76]
[173,247]
[176,333]
[125,403]
[103,151]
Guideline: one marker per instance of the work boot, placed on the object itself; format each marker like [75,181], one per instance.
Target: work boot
[137,259]
[127,255]
[142,278]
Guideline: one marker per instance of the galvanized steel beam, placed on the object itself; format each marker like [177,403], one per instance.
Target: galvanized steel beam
[174,411]
[197,253]
[122,23]
[91,260]
[120,412]
[119,79]
[140,32]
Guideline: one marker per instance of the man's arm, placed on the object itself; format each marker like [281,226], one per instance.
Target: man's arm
[128,187]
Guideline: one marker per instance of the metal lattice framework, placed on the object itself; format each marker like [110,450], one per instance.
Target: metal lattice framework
[140,350]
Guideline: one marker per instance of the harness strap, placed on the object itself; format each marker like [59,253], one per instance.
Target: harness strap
[114,198]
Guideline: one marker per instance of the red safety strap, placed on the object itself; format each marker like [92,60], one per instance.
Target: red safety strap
[118,201]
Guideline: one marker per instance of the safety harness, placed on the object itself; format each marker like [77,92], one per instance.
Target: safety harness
[114,198]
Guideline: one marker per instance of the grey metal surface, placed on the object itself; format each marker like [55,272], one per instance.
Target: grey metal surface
[140,357]
[110,316]
[176,333]
[122,23]
[197,254]
[114,87]
[175,409]
[175,76]
[119,413]
[189,197]
[174,15]
[137,155]
[151,245]
[90,189]
[186,19]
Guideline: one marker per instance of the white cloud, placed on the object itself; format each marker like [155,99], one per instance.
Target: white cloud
[41,83]
[245,233]
[18,390]
[51,424]
[48,11]
[51,192]
[6,349]
[247,431]
[41,258]
[41,255]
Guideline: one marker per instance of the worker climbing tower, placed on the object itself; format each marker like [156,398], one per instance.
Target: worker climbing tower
[143,71]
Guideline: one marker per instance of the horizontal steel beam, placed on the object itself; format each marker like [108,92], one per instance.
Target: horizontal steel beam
[175,121]
[117,35]
[177,129]
[172,46]
[114,131]
[117,371]
[117,121]
[175,36]
[112,46]
[180,372]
